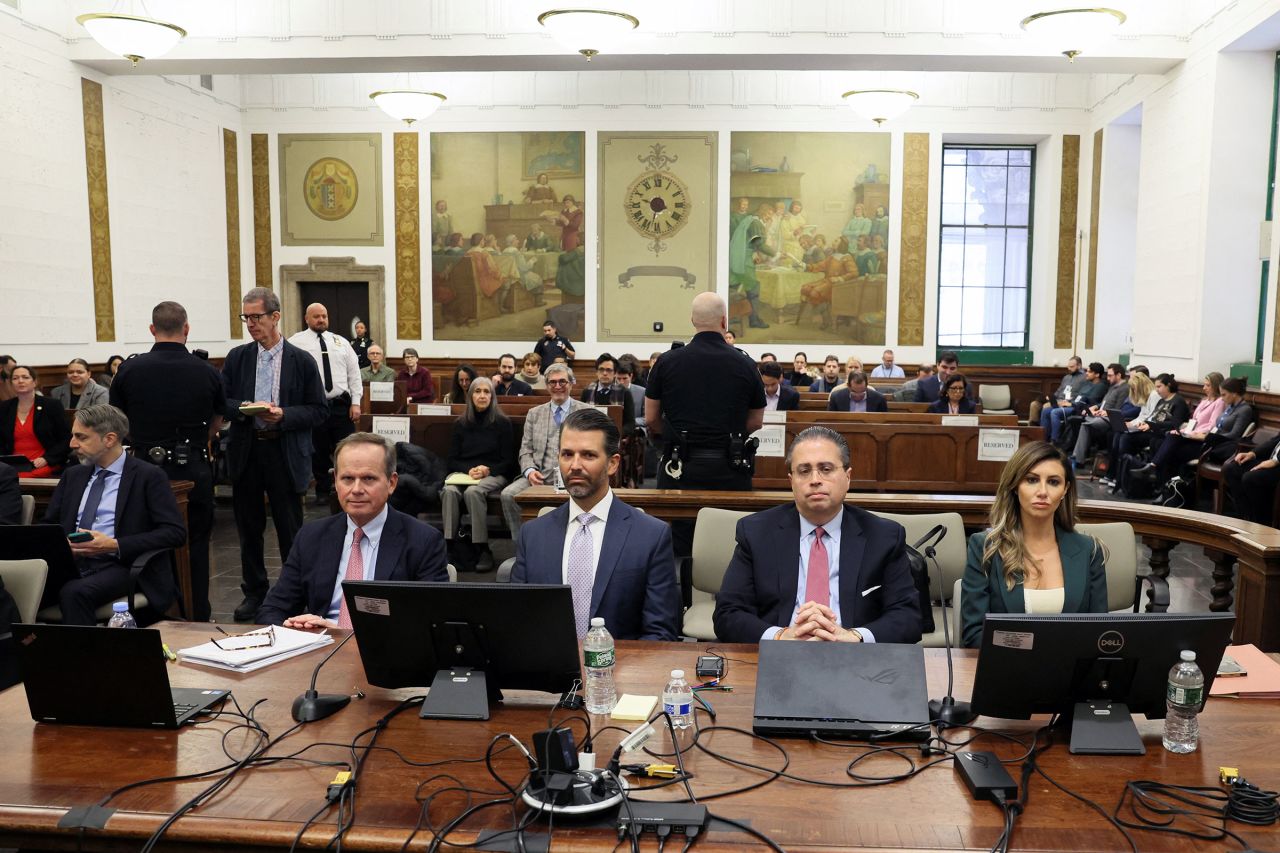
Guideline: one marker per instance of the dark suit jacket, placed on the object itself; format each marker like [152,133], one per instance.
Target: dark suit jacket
[614,396]
[788,398]
[301,397]
[147,518]
[1084,578]
[927,389]
[839,401]
[635,589]
[410,550]
[820,386]
[51,428]
[10,496]
[941,407]
[759,587]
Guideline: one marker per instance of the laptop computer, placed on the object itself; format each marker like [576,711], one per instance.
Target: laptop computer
[17,462]
[93,676]
[1118,423]
[843,690]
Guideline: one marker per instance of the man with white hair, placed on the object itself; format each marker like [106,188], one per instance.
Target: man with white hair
[705,437]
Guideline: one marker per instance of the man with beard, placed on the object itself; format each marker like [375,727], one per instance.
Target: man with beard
[618,560]
[507,385]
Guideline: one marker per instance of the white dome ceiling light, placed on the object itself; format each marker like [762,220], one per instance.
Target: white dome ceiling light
[408,105]
[880,105]
[588,31]
[1072,32]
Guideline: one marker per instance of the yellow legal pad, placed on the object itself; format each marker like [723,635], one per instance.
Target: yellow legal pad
[634,708]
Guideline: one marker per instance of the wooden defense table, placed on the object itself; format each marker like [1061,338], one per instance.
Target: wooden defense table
[49,769]
[41,489]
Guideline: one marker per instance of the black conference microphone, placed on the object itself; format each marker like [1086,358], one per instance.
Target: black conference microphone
[946,710]
[312,706]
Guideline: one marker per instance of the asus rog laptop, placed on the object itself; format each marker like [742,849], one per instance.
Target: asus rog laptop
[860,691]
[93,676]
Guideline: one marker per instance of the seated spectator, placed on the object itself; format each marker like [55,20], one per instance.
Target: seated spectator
[419,388]
[1065,392]
[127,506]
[852,365]
[778,396]
[531,371]
[626,376]
[483,448]
[1222,412]
[420,476]
[606,391]
[929,388]
[855,396]
[463,376]
[907,393]
[799,377]
[830,378]
[10,496]
[378,369]
[886,369]
[113,365]
[1095,426]
[954,399]
[540,442]
[368,540]
[1142,394]
[507,385]
[1170,412]
[34,427]
[1250,480]
[79,389]
[1030,559]
[1086,396]
[7,364]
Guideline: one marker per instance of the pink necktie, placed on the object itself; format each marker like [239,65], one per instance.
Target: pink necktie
[817,582]
[355,572]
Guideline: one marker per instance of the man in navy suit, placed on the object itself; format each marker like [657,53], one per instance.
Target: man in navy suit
[928,388]
[855,396]
[617,559]
[817,569]
[368,540]
[268,453]
[127,507]
[778,396]
[10,496]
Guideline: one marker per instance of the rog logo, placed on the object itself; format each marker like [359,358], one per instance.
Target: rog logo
[975,758]
[884,676]
[1111,642]
[28,640]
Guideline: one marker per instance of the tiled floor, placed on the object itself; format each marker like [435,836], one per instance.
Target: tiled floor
[1189,570]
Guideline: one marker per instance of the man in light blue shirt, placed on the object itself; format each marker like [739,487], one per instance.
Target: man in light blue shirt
[886,369]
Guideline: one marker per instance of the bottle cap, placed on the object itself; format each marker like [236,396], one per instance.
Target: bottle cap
[677,673]
[1187,654]
[120,607]
[597,621]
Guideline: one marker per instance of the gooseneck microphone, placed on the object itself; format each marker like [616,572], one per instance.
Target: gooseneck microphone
[312,706]
[946,710]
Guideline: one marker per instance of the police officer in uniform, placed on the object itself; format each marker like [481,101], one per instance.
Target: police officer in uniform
[704,426]
[174,401]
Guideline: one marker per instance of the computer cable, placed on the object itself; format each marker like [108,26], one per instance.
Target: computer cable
[750,830]
[1158,806]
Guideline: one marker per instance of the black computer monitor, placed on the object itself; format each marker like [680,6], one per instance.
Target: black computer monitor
[467,641]
[1098,668]
[46,542]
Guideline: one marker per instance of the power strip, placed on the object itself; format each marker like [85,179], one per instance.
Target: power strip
[663,818]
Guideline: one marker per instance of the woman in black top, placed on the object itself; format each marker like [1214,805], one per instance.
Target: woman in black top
[35,427]
[1171,412]
[953,398]
[361,343]
[113,366]
[483,449]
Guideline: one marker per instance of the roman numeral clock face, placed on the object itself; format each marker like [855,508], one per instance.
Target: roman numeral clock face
[657,206]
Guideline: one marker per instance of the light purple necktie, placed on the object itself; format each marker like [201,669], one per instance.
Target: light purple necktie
[581,576]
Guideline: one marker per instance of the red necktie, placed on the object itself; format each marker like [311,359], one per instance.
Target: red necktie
[817,583]
[355,572]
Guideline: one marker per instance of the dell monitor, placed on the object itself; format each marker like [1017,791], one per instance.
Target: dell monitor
[467,641]
[1099,668]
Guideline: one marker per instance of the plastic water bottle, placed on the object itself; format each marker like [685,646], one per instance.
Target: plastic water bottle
[677,701]
[121,617]
[597,661]
[1183,700]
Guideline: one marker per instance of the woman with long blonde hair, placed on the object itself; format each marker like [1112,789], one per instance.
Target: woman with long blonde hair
[1030,559]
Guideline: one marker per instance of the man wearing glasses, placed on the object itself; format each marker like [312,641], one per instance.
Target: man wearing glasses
[274,400]
[817,569]
[540,444]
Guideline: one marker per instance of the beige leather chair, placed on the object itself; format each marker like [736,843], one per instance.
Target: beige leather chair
[24,580]
[137,600]
[713,544]
[28,509]
[996,399]
[453,573]
[951,553]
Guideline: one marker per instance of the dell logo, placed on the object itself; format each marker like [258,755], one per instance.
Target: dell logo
[1111,642]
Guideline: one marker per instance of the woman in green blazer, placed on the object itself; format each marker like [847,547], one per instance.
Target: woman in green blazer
[1030,559]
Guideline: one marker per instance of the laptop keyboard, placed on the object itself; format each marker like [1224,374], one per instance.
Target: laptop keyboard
[179,709]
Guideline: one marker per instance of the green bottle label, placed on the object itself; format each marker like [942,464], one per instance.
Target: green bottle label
[598,660]
[1185,695]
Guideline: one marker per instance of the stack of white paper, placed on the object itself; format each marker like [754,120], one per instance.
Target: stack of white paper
[289,643]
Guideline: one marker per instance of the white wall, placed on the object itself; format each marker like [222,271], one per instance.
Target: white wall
[1117,227]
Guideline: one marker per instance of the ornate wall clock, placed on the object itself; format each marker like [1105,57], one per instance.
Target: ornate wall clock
[657,205]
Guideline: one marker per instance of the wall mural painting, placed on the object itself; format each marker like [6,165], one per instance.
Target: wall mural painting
[507,244]
[330,189]
[808,237]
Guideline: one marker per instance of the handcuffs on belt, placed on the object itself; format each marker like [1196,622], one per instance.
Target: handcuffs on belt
[180,454]
[741,453]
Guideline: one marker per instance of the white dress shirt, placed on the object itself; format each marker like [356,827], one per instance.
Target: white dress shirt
[344,364]
[368,555]
[881,372]
[596,529]
[832,543]
[771,402]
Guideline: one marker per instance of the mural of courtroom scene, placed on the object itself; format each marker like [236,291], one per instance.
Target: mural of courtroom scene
[507,243]
[808,238]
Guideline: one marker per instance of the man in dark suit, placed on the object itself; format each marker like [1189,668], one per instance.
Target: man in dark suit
[269,453]
[778,396]
[1251,478]
[855,396]
[817,569]
[624,573]
[368,540]
[128,508]
[10,495]
[606,391]
[928,388]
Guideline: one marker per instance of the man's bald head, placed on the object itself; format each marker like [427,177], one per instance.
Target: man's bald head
[317,317]
[709,313]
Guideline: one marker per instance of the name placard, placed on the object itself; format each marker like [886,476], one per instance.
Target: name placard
[433,409]
[382,392]
[959,420]
[775,417]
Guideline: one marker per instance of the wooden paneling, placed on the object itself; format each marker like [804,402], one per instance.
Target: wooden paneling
[95,165]
[1068,198]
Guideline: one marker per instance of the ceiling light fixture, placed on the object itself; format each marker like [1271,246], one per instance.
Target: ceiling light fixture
[588,31]
[408,105]
[1078,29]
[880,105]
[134,37]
